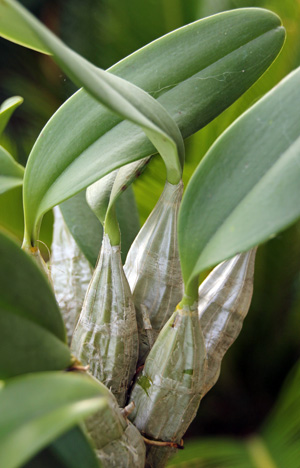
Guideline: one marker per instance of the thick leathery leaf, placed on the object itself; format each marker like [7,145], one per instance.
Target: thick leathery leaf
[196,72]
[118,95]
[70,450]
[11,173]
[36,409]
[32,334]
[246,189]
[7,108]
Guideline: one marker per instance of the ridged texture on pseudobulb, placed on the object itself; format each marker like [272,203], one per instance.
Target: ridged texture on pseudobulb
[167,394]
[118,444]
[106,335]
[70,272]
[224,300]
[153,269]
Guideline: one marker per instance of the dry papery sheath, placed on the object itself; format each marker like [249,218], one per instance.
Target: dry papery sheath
[70,271]
[106,336]
[153,268]
[224,300]
[118,444]
[168,392]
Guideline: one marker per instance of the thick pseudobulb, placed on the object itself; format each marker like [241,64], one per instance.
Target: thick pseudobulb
[70,272]
[106,337]
[118,444]
[153,269]
[224,301]
[167,394]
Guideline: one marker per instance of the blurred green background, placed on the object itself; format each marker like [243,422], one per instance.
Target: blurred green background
[105,31]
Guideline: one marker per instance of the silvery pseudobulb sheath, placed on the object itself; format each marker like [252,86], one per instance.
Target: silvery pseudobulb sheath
[224,300]
[70,271]
[153,268]
[106,335]
[167,393]
[117,442]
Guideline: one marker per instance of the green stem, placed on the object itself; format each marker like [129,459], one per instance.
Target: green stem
[190,294]
[111,226]
[29,241]
[173,177]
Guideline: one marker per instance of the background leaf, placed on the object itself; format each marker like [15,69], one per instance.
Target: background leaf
[87,230]
[276,444]
[83,225]
[35,409]
[213,453]
[7,108]
[11,173]
[128,218]
[11,213]
[32,334]
[247,187]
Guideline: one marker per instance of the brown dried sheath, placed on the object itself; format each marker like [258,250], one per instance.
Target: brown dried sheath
[168,392]
[106,336]
[224,300]
[153,268]
[70,273]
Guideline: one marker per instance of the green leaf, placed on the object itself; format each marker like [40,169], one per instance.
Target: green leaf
[103,195]
[19,32]
[128,219]
[196,72]
[246,189]
[32,334]
[71,450]
[11,173]
[281,429]
[213,453]
[122,97]
[11,213]
[275,445]
[8,107]
[83,225]
[12,219]
[36,409]
[87,230]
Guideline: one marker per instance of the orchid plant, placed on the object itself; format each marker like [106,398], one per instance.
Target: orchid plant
[104,364]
